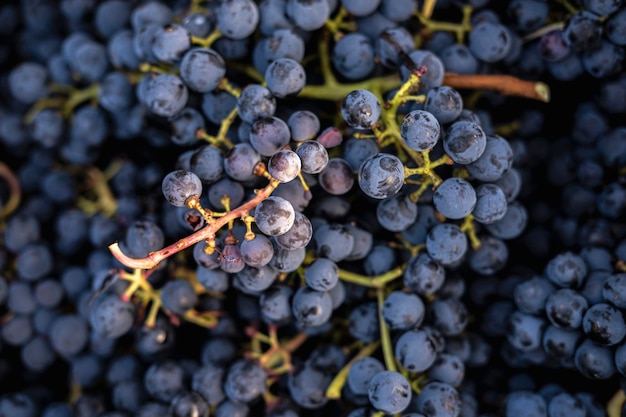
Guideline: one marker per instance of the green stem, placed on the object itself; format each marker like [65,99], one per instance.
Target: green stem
[385,337]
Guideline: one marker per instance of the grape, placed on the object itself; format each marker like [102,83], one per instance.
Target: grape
[360,109]
[206,163]
[337,177]
[603,61]
[455,198]
[310,307]
[245,381]
[274,304]
[353,56]
[237,19]
[381,176]
[604,324]
[512,223]
[446,244]
[240,162]
[322,274]
[465,142]
[565,308]
[582,31]
[594,361]
[165,95]
[420,130]
[298,236]
[212,279]
[308,14]
[285,77]
[433,77]
[403,311]
[307,387]
[313,156]
[489,41]
[525,403]
[391,42]
[255,102]
[490,258]
[164,380]
[179,185]
[202,69]
[269,135]
[303,125]
[361,372]
[178,296]
[458,58]
[494,161]
[27,82]
[257,251]
[284,165]
[356,151]
[423,275]
[111,317]
[396,213]
[491,204]
[170,43]
[274,216]
[390,392]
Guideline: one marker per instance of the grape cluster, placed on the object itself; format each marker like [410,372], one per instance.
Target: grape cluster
[291,208]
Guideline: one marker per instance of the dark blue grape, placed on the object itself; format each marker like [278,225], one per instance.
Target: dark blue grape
[526,404]
[402,311]
[438,399]
[490,258]
[594,361]
[68,334]
[416,350]
[165,95]
[111,317]
[178,296]
[311,308]
[530,295]
[245,381]
[360,109]
[524,331]
[420,130]
[202,69]
[308,15]
[307,387]
[391,42]
[454,198]
[566,270]
[583,31]
[604,324]
[381,176]
[237,19]
[512,223]
[396,213]
[353,56]
[164,380]
[170,43]
[363,322]
[489,41]
[275,305]
[285,77]
[389,391]
[465,142]
[446,244]
[565,308]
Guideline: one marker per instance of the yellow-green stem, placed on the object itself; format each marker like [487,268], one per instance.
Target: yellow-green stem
[385,337]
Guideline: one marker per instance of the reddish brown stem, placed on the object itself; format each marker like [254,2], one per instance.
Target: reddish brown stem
[505,84]
[208,232]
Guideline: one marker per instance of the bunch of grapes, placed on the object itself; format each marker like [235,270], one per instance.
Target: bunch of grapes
[292,208]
